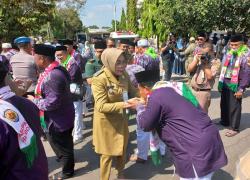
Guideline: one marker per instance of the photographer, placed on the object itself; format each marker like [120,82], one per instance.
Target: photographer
[167,53]
[205,68]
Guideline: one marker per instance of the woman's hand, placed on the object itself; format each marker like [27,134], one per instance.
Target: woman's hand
[132,103]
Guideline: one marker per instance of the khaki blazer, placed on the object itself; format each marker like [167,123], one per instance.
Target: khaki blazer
[110,122]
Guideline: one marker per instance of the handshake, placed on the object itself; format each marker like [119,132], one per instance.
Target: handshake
[132,103]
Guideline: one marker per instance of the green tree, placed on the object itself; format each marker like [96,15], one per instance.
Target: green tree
[39,17]
[23,17]
[132,24]
[66,23]
[123,22]
[149,18]
[112,29]
[160,17]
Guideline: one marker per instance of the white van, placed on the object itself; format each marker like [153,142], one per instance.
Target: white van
[123,35]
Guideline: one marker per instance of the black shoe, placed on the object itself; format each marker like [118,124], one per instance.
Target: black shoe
[65,176]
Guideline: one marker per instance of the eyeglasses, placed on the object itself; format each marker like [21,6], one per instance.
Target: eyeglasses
[200,39]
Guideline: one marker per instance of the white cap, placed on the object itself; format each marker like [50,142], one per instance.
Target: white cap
[143,43]
[6,45]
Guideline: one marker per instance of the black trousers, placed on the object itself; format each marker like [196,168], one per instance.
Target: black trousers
[62,145]
[230,109]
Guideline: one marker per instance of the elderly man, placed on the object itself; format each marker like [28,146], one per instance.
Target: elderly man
[23,64]
[53,98]
[234,79]
[188,132]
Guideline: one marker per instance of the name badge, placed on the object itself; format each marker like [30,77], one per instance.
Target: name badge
[125,99]
[125,96]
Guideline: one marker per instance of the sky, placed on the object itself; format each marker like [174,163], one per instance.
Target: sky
[101,12]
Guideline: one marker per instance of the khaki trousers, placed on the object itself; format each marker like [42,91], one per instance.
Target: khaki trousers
[106,163]
[204,99]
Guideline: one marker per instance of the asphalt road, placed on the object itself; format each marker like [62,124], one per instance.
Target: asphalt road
[87,162]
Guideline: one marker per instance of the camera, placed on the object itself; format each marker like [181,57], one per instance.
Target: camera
[205,57]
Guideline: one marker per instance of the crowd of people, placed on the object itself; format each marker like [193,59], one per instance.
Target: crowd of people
[46,88]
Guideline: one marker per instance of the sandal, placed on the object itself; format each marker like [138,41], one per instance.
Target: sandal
[231,133]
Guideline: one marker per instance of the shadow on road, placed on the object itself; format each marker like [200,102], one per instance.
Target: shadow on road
[222,175]
[215,94]
[148,170]
[244,123]
[87,156]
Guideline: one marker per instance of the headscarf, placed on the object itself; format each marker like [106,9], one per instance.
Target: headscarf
[109,58]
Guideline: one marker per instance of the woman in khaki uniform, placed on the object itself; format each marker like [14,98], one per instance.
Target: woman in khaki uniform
[110,124]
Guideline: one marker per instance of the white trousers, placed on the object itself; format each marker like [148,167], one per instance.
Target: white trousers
[143,144]
[207,177]
[78,123]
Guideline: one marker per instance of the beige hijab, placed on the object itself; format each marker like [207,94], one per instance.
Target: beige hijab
[109,58]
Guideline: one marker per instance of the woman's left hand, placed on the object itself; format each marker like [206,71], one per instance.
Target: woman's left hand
[135,101]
